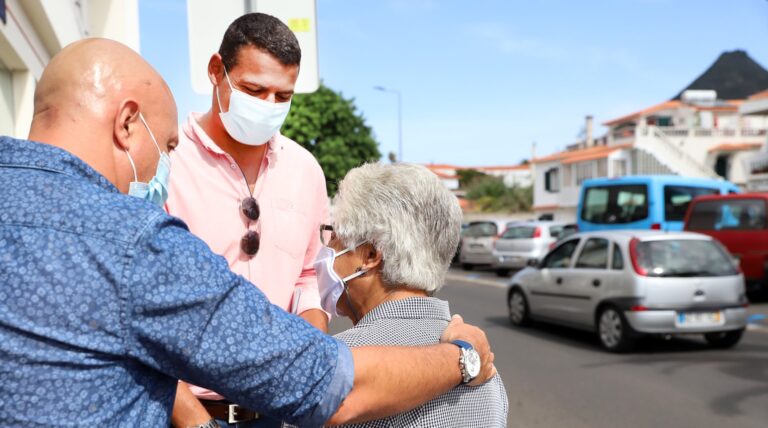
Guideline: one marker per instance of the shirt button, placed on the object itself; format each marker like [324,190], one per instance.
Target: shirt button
[233,166]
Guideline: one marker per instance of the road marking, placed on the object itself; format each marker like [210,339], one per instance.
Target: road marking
[475,279]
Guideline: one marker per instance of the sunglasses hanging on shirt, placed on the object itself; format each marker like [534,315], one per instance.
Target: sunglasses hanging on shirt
[249,243]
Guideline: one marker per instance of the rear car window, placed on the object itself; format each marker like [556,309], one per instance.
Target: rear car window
[479,230]
[678,198]
[519,232]
[594,254]
[683,258]
[734,214]
[615,204]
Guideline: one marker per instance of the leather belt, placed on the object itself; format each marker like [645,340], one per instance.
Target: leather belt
[229,412]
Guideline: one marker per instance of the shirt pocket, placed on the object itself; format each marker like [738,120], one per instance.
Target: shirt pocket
[290,231]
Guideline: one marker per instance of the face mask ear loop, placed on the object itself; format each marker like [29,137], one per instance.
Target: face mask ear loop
[344,281]
[349,303]
[151,134]
[216,88]
[133,167]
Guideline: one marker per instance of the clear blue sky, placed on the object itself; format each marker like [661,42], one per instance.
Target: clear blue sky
[483,79]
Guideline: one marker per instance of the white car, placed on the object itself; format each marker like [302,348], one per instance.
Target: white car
[525,243]
[624,284]
[477,242]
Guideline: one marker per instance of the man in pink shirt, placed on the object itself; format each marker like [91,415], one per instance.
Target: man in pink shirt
[253,195]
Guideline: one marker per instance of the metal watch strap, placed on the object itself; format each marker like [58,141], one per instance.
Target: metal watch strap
[463,347]
[210,424]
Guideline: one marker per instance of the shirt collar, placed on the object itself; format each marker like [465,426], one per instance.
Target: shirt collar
[195,132]
[410,308]
[34,155]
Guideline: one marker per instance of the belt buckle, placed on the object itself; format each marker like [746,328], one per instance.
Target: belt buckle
[232,414]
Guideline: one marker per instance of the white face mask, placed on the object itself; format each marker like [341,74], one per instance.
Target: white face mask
[251,120]
[330,285]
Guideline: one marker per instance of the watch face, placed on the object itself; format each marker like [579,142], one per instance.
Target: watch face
[472,363]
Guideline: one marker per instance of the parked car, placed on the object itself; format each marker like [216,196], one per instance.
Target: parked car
[525,243]
[455,258]
[739,223]
[477,242]
[656,202]
[625,284]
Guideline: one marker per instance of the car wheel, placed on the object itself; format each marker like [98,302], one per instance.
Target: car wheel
[613,330]
[502,272]
[519,314]
[467,266]
[724,339]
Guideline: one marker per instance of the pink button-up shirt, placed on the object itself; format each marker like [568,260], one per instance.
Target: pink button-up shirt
[205,191]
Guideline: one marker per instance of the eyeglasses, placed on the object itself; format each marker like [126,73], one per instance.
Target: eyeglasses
[249,243]
[326,234]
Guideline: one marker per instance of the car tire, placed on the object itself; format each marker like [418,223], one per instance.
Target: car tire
[467,266]
[614,331]
[724,339]
[518,309]
[502,272]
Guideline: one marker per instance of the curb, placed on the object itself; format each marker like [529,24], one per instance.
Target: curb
[475,279]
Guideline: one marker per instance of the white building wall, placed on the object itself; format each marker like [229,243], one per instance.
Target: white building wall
[36,30]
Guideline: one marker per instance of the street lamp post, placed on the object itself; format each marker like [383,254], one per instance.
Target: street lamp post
[399,119]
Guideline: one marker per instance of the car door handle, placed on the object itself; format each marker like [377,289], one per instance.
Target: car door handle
[596,283]
[559,281]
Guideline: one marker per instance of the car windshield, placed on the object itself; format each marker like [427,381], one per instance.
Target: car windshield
[481,229]
[677,199]
[615,204]
[519,232]
[684,258]
[734,214]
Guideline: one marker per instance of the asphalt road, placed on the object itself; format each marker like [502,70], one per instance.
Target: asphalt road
[558,377]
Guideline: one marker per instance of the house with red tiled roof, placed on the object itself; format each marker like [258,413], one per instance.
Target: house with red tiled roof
[513,175]
[699,133]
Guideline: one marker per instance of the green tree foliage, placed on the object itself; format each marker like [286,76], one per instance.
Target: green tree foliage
[331,128]
[467,176]
[490,194]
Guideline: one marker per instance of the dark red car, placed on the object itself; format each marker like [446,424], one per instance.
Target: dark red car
[738,221]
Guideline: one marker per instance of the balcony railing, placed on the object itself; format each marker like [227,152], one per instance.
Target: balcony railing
[628,134]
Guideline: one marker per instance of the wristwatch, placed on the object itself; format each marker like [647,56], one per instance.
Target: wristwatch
[210,424]
[469,361]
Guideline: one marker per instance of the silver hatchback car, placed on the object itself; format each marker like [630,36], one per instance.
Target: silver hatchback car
[625,284]
[525,243]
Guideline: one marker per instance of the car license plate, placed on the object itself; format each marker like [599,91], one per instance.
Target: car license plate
[699,319]
[476,246]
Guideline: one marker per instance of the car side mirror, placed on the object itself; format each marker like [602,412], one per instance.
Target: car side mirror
[533,263]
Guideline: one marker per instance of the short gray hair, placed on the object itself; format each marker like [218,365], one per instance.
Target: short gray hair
[405,212]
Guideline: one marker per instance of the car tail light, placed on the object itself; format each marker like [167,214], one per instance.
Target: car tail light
[552,245]
[633,255]
[638,308]
[537,232]
[656,226]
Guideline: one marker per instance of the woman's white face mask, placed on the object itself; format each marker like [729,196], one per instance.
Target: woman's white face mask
[251,120]
[330,284]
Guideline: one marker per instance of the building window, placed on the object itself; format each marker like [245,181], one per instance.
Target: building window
[721,164]
[619,168]
[602,168]
[584,171]
[552,180]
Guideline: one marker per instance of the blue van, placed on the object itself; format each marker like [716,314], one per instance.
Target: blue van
[642,202]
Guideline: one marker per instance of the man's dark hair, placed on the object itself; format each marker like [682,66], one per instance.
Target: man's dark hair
[263,32]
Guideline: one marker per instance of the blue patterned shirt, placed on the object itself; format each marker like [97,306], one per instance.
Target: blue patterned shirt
[105,301]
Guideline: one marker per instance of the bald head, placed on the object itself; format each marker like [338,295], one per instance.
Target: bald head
[88,102]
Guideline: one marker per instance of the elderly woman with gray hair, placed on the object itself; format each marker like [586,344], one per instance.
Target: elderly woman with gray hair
[395,229]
